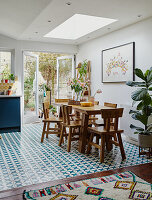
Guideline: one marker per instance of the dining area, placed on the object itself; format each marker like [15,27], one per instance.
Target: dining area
[91,125]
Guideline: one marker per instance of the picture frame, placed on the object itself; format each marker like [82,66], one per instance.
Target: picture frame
[118,63]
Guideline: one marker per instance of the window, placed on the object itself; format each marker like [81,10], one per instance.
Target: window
[5,62]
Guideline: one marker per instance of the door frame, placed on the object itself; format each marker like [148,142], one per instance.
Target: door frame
[73,69]
[26,53]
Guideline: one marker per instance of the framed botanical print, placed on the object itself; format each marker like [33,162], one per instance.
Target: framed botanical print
[118,63]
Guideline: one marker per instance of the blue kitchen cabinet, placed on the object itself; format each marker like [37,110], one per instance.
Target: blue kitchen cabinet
[10,113]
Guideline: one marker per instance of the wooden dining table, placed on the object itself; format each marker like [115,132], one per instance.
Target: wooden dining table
[85,111]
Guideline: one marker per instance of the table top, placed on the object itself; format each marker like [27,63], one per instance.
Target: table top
[96,109]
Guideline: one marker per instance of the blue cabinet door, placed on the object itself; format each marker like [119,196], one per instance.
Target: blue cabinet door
[10,112]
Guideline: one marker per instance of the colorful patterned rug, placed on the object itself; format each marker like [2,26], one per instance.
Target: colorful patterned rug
[119,186]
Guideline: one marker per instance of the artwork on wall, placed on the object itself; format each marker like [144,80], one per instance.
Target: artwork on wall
[118,63]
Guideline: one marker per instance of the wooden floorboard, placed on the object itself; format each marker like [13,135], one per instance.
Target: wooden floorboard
[144,171]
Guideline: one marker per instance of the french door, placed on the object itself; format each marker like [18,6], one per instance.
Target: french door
[31,105]
[65,71]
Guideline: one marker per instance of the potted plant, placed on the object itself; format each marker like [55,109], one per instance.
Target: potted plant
[52,109]
[12,77]
[6,73]
[78,86]
[142,97]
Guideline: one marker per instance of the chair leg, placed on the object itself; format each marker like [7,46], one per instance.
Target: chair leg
[61,136]
[43,133]
[121,146]
[48,126]
[69,139]
[102,147]
[97,139]
[115,137]
[89,144]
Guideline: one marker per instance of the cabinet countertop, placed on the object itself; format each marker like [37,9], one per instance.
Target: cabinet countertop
[9,96]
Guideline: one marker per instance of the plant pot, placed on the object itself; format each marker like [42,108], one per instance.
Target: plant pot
[145,141]
[6,80]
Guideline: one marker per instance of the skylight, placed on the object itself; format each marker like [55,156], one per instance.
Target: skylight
[78,25]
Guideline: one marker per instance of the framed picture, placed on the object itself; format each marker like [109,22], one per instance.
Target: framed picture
[118,63]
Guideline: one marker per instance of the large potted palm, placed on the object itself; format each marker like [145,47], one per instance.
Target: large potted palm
[142,98]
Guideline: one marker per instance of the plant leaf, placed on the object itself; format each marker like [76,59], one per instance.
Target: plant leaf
[133,111]
[135,84]
[150,89]
[149,75]
[136,127]
[140,106]
[141,117]
[140,74]
[138,95]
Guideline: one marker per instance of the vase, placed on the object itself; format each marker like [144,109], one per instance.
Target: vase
[77,96]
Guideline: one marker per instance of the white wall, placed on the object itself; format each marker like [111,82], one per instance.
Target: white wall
[141,34]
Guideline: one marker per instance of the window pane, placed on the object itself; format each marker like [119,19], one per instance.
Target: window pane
[5,62]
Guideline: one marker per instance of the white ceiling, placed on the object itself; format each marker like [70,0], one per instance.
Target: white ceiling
[28,19]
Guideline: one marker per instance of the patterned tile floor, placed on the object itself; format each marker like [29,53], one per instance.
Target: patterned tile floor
[24,160]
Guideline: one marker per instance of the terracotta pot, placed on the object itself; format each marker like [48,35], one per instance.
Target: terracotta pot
[6,80]
[145,140]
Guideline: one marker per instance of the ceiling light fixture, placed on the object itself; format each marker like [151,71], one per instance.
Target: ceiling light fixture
[78,26]
[36,32]
[139,15]
[49,21]
[68,3]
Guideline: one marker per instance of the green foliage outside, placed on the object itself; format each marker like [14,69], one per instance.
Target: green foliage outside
[48,70]
[142,96]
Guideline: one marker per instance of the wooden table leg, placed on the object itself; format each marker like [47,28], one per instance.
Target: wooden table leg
[83,135]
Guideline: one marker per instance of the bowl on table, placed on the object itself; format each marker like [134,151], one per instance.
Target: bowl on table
[86,104]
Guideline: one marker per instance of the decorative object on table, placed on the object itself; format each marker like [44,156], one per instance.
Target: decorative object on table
[78,86]
[11,78]
[73,102]
[83,72]
[86,104]
[118,63]
[143,111]
[92,98]
[100,188]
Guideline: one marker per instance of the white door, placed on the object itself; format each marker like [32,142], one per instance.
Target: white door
[65,71]
[31,66]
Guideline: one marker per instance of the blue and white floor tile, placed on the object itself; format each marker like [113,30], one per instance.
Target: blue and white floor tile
[24,160]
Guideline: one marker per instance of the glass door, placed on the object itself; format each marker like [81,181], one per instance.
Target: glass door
[31,65]
[65,71]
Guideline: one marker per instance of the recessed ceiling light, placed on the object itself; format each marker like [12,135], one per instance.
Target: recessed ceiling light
[68,3]
[49,21]
[139,15]
[79,25]
[36,32]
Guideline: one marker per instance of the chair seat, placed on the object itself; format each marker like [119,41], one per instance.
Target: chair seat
[93,118]
[53,119]
[73,124]
[99,122]
[100,131]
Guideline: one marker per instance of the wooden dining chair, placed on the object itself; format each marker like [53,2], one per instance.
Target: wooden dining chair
[107,132]
[73,126]
[100,122]
[93,118]
[50,120]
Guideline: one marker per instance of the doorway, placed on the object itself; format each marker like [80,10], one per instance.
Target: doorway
[45,78]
